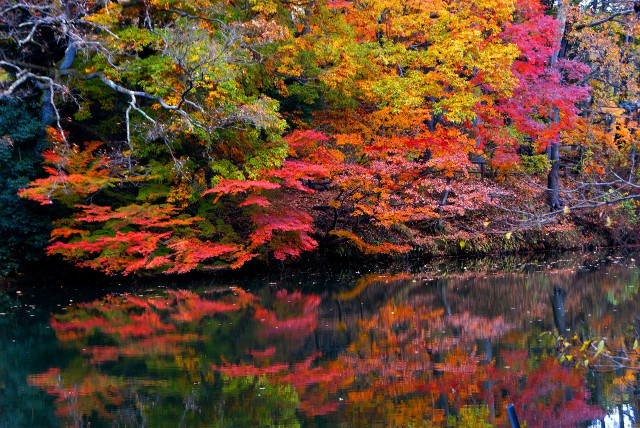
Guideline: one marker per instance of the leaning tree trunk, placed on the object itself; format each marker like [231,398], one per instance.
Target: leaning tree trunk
[49,115]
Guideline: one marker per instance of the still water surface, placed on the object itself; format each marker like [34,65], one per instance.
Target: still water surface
[434,346]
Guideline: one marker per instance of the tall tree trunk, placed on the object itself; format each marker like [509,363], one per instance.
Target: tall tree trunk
[553,151]
[553,178]
[48,112]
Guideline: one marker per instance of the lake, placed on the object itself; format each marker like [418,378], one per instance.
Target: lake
[448,344]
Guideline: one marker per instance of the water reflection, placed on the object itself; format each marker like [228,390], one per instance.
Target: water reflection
[390,350]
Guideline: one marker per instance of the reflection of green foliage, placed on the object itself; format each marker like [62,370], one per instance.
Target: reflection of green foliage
[628,290]
[471,417]
[169,381]
[26,346]
[255,402]
[228,337]
[179,385]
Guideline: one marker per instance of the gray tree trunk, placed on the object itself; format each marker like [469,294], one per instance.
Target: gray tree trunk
[553,151]
[553,178]
[48,109]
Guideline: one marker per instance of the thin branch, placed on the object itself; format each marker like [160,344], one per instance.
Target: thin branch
[603,20]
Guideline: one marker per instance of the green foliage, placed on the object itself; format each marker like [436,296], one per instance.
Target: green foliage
[536,164]
[24,228]
[630,207]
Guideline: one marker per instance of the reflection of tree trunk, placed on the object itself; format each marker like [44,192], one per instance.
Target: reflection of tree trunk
[442,288]
[443,296]
[443,401]
[569,393]
[636,405]
[620,416]
[557,303]
[485,347]
[599,398]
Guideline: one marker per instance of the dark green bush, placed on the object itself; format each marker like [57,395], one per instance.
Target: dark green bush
[24,225]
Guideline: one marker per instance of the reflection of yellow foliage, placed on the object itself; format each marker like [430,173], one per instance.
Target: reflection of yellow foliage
[366,395]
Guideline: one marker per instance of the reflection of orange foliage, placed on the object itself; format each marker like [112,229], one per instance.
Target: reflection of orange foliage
[408,363]
[391,371]
[243,298]
[373,278]
[96,390]
[403,370]
[393,359]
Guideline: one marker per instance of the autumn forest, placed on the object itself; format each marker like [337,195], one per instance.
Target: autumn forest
[166,136]
[241,212]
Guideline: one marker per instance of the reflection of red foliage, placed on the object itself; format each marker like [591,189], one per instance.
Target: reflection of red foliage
[552,395]
[269,352]
[243,298]
[293,314]
[157,345]
[136,325]
[146,327]
[192,310]
[141,326]
[142,317]
[299,326]
[301,375]
[235,370]
[407,363]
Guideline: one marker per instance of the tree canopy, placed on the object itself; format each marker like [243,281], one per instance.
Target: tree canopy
[200,134]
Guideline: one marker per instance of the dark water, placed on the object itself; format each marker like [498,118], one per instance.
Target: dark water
[432,346]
